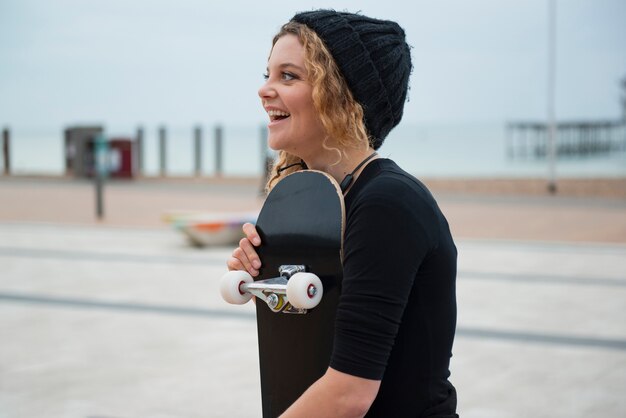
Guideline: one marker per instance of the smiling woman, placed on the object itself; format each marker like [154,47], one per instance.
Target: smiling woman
[297,88]
[335,87]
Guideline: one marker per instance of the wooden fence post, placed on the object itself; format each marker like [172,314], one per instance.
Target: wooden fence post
[197,136]
[162,151]
[139,151]
[6,147]
[218,151]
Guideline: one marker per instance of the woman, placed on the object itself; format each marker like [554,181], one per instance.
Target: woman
[335,86]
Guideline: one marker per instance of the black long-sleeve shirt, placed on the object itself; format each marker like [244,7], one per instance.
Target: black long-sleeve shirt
[397,313]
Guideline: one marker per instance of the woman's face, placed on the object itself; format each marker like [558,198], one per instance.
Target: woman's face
[294,125]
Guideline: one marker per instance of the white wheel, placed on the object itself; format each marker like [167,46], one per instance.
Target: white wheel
[230,287]
[304,290]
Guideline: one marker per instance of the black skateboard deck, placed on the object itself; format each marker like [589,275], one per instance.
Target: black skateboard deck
[301,224]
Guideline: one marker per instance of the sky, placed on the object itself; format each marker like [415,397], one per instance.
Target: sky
[183,62]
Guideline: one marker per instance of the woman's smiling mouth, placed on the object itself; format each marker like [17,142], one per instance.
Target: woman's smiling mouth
[276,115]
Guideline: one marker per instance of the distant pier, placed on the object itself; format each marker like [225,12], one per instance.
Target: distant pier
[573,138]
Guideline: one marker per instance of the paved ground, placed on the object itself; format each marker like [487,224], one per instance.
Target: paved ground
[471,215]
[120,319]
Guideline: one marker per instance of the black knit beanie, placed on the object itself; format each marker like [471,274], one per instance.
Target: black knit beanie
[375,60]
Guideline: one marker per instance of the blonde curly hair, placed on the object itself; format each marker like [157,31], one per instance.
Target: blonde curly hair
[341,115]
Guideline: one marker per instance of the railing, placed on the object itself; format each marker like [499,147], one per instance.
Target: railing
[575,139]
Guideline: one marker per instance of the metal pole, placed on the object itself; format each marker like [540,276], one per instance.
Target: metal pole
[139,151]
[70,152]
[101,169]
[218,150]
[99,197]
[162,151]
[6,147]
[197,133]
[551,90]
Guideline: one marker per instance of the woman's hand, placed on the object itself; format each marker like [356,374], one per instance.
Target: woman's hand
[245,257]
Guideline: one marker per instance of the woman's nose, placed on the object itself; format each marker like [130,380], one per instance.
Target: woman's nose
[266,91]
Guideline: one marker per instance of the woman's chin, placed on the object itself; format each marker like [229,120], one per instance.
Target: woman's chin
[276,142]
[274,146]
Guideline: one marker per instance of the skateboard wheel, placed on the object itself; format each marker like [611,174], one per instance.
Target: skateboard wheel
[230,287]
[304,290]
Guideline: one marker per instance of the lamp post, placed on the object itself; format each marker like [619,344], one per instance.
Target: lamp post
[101,157]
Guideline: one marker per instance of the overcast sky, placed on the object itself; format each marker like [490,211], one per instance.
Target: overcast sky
[181,62]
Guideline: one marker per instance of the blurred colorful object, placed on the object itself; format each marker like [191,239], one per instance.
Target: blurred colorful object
[210,229]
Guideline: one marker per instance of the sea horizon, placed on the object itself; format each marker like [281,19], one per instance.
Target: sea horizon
[436,150]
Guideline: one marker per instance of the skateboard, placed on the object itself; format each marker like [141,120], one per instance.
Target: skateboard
[301,226]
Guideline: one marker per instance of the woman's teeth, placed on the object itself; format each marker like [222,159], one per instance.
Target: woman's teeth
[277,114]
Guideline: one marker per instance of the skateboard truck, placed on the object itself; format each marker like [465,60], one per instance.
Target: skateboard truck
[294,291]
[274,291]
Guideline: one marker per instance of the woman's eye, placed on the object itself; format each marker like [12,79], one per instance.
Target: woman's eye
[285,76]
[288,76]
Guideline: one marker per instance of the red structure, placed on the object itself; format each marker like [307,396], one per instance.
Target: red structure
[80,158]
[121,158]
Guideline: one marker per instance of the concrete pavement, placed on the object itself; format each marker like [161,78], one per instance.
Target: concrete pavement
[120,318]
[114,322]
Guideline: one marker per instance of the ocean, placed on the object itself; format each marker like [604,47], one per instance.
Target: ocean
[469,150]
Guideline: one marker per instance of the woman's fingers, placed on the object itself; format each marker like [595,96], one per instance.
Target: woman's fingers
[234,264]
[249,243]
[252,234]
[245,257]
[244,262]
[250,252]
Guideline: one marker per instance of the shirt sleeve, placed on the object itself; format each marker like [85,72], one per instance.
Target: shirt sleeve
[387,238]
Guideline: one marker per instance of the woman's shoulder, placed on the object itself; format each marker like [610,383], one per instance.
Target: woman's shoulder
[390,196]
[384,179]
